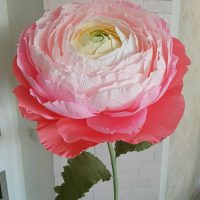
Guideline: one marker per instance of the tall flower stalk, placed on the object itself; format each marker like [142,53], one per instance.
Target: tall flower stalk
[114,171]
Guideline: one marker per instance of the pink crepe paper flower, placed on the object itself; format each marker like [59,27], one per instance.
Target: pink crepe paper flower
[100,71]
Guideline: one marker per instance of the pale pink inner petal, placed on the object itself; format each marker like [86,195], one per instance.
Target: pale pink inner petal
[124,80]
[69,109]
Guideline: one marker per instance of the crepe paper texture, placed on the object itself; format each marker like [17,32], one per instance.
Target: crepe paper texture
[102,71]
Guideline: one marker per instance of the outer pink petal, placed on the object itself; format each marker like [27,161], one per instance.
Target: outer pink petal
[74,130]
[53,142]
[162,118]
[110,125]
[18,74]
[182,65]
[30,107]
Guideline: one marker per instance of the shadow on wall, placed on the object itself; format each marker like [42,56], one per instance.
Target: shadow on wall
[196,195]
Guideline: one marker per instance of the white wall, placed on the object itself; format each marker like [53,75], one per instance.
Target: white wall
[28,166]
[10,150]
[139,173]
[184,154]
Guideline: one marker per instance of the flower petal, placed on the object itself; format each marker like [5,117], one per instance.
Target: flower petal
[18,74]
[69,109]
[110,125]
[53,142]
[182,65]
[30,107]
[162,118]
[74,130]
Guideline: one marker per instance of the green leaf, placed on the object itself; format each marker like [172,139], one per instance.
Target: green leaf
[123,147]
[80,175]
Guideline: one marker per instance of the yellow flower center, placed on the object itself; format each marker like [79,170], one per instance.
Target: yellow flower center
[98,36]
[96,39]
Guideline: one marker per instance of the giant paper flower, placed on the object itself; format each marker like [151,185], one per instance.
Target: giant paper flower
[100,71]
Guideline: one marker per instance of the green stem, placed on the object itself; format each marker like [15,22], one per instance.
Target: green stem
[114,170]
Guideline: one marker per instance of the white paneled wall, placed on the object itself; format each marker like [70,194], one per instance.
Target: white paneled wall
[139,173]
[28,167]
